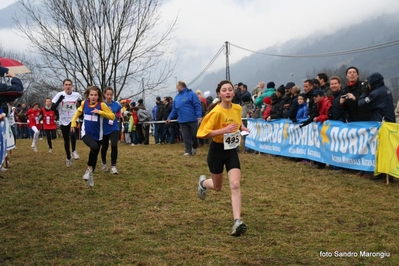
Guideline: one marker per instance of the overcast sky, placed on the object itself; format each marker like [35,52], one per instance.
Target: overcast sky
[204,26]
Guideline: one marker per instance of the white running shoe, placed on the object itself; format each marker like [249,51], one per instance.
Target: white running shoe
[3,169]
[90,182]
[35,149]
[33,145]
[86,176]
[68,162]
[113,170]
[193,151]
[187,154]
[201,191]
[75,155]
[239,228]
[104,167]
[50,150]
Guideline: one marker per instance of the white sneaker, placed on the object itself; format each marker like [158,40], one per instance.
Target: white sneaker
[68,163]
[201,191]
[239,228]
[104,167]
[187,154]
[193,151]
[86,176]
[50,150]
[3,169]
[33,145]
[133,144]
[113,170]
[90,182]
[75,155]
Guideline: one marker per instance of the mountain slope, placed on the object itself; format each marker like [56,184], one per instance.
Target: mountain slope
[256,67]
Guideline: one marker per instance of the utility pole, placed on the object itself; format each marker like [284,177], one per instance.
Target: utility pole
[227,61]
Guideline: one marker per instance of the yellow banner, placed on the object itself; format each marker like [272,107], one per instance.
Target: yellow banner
[388,150]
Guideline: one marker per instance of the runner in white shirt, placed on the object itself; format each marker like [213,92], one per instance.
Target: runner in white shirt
[65,102]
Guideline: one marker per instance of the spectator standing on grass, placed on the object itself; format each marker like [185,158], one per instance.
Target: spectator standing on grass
[170,127]
[94,111]
[275,111]
[378,99]
[133,126]
[208,97]
[336,110]
[323,107]
[187,109]
[23,127]
[50,127]
[110,132]
[154,112]
[268,92]
[324,85]
[302,114]
[140,127]
[34,117]
[287,99]
[223,123]
[293,109]
[350,97]
[65,103]
[160,127]
[258,89]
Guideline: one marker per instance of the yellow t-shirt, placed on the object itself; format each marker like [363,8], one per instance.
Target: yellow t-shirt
[219,118]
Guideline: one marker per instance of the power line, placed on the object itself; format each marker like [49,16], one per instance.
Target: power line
[352,51]
[208,66]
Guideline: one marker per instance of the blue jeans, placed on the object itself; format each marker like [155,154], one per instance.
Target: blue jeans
[160,136]
[133,136]
[170,133]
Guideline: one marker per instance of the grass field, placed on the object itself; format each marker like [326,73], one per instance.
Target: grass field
[149,214]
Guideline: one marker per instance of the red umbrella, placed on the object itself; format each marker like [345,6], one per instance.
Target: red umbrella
[14,65]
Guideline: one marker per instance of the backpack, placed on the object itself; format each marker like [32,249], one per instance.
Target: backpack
[144,115]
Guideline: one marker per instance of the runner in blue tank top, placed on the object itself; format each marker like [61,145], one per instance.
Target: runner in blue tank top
[94,111]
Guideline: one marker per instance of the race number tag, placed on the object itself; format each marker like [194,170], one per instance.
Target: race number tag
[232,140]
[69,106]
[110,122]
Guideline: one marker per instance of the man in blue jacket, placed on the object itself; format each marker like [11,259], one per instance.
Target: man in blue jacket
[187,110]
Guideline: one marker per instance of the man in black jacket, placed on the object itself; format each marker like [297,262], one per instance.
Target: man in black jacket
[348,103]
[378,99]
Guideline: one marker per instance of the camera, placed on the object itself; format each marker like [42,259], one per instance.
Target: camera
[345,96]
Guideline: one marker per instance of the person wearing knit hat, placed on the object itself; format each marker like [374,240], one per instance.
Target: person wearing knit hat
[267,107]
[290,85]
[271,85]
[207,94]
[281,89]
[267,100]
[268,92]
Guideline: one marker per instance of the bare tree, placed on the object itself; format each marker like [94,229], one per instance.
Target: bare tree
[116,43]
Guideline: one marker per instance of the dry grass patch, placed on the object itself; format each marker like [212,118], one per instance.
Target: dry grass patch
[149,214]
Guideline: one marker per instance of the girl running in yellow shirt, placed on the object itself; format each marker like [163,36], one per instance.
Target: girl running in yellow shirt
[223,124]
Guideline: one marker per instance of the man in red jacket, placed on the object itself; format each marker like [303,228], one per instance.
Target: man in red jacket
[323,105]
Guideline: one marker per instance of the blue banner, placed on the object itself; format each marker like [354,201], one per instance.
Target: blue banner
[347,145]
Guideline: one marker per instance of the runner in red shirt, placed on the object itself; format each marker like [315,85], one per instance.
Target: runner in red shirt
[48,119]
[33,115]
